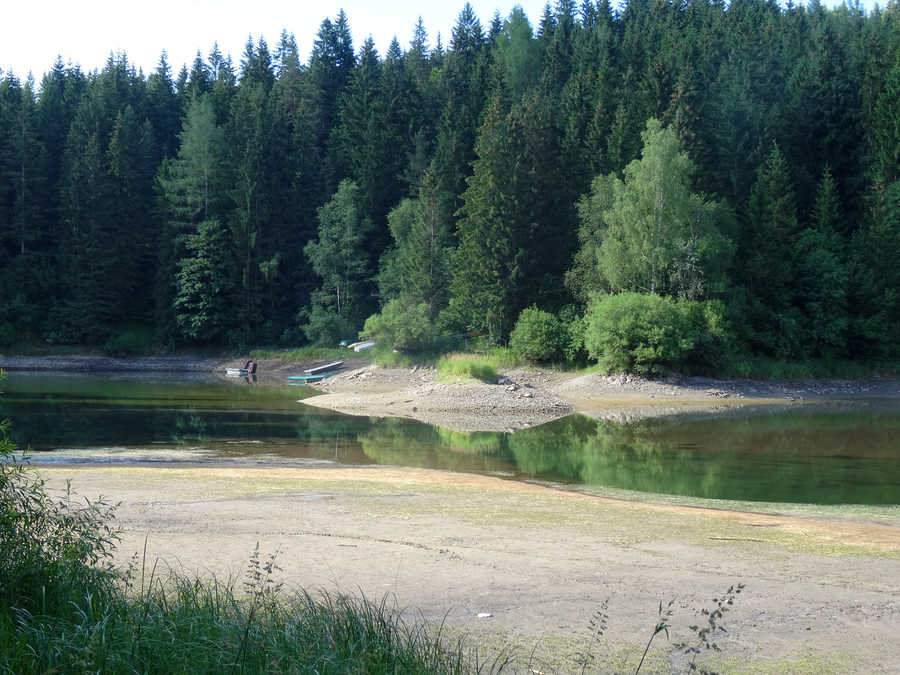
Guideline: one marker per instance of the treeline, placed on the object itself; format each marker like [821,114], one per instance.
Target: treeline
[667,183]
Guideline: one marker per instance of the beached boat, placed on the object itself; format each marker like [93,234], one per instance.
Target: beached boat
[363,346]
[318,370]
[237,372]
[307,378]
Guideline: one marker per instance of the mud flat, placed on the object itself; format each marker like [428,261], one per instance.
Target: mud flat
[822,586]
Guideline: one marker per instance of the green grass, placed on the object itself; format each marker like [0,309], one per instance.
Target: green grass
[388,358]
[761,368]
[184,625]
[467,366]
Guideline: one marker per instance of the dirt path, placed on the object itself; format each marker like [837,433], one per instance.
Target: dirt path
[822,595]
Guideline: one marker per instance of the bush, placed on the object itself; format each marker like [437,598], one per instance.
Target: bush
[51,552]
[650,334]
[402,327]
[325,327]
[574,325]
[538,336]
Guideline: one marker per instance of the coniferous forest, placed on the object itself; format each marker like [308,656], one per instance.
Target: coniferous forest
[684,183]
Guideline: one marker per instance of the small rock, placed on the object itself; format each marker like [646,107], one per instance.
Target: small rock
[528,394]
[503,379]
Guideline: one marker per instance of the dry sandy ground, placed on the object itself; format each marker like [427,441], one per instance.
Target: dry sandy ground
[822,588]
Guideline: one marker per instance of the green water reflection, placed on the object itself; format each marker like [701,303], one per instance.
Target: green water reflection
[829,454]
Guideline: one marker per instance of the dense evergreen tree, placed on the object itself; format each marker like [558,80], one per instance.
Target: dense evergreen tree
[216,182]
[193,191]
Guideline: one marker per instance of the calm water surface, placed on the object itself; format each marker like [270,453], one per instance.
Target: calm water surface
[846,452]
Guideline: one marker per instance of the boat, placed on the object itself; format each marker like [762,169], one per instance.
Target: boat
[307,378]
[364,346]
[321,369]
[237,372]
[354,345]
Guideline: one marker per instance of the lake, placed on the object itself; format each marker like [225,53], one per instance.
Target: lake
[836,453]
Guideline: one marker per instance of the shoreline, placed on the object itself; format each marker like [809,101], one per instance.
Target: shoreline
[528,396]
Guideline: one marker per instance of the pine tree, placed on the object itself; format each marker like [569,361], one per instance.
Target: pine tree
[766,266]
[518,54]
[330,65]
[820,275]
[203,285]
[193,191]
[131,157]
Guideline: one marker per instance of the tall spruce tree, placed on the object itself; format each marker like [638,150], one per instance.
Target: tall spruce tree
[193,191]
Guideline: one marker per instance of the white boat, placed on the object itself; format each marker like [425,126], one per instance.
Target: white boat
[237,372]
[321,369]
[364,346]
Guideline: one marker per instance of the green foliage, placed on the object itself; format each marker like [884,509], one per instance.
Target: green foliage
[651,334]
[133,340]
[323,325]
[493,137]
[306,353]
[402,327]
[53,550]
[338,256]
[203,284]
[574,324]
[538,336]
[649,233]
[417,268]
[468,366]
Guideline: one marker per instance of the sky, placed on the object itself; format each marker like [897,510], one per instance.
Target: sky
[33,33]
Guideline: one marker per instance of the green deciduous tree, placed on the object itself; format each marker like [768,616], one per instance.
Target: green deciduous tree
[339,257]
[417,268]
[649,233]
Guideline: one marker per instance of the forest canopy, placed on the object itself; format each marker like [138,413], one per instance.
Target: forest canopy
[730,171]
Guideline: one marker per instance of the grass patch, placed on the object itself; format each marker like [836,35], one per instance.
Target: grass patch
[467,366]
[179,624]
[388,358]
[479,364]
